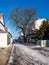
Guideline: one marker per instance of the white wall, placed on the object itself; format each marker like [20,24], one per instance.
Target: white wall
[38,23]
[3,39]
[11,40]
[1,27]
[2,21]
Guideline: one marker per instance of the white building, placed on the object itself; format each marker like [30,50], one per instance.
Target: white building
[38,23]
[5,35]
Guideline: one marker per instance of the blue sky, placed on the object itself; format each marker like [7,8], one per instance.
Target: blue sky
[42,7]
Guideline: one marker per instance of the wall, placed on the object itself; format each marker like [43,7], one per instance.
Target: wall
[9,41]
[3,39]
[43,43]
[38,23]
[1,27]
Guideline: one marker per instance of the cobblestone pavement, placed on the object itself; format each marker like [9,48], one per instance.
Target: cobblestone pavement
[21,55]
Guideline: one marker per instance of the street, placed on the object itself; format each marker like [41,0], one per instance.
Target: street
[22,55]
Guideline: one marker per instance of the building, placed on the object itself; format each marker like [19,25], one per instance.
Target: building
[43,43]
[38,23]
[5,34]
[31,36]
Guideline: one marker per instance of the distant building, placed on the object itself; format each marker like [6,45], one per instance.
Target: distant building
[38,23]
[5,34]
[31,36]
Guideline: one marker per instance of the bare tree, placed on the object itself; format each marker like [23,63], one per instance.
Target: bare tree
[22,18]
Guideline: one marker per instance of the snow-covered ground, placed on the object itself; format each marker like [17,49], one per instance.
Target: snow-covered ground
[33,53]
[46,48]
[23,55]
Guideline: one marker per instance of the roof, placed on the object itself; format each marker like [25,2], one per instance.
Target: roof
[6,30]
[2,24]
[1,31]
[1,15]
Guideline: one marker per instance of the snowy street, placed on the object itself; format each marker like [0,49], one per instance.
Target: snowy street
[22,55]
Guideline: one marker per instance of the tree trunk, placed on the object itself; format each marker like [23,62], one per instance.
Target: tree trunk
[24,32]
[24,38]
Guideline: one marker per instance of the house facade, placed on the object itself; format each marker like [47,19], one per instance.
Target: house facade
[39,22]
[5,34]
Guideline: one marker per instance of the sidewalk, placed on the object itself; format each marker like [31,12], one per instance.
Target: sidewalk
[11,57]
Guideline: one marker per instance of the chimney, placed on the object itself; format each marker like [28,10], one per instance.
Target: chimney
[1,19]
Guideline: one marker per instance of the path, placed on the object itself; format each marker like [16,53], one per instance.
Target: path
[21,55]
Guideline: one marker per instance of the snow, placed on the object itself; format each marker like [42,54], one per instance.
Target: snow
[28,55]
[33,53]
[46,48]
